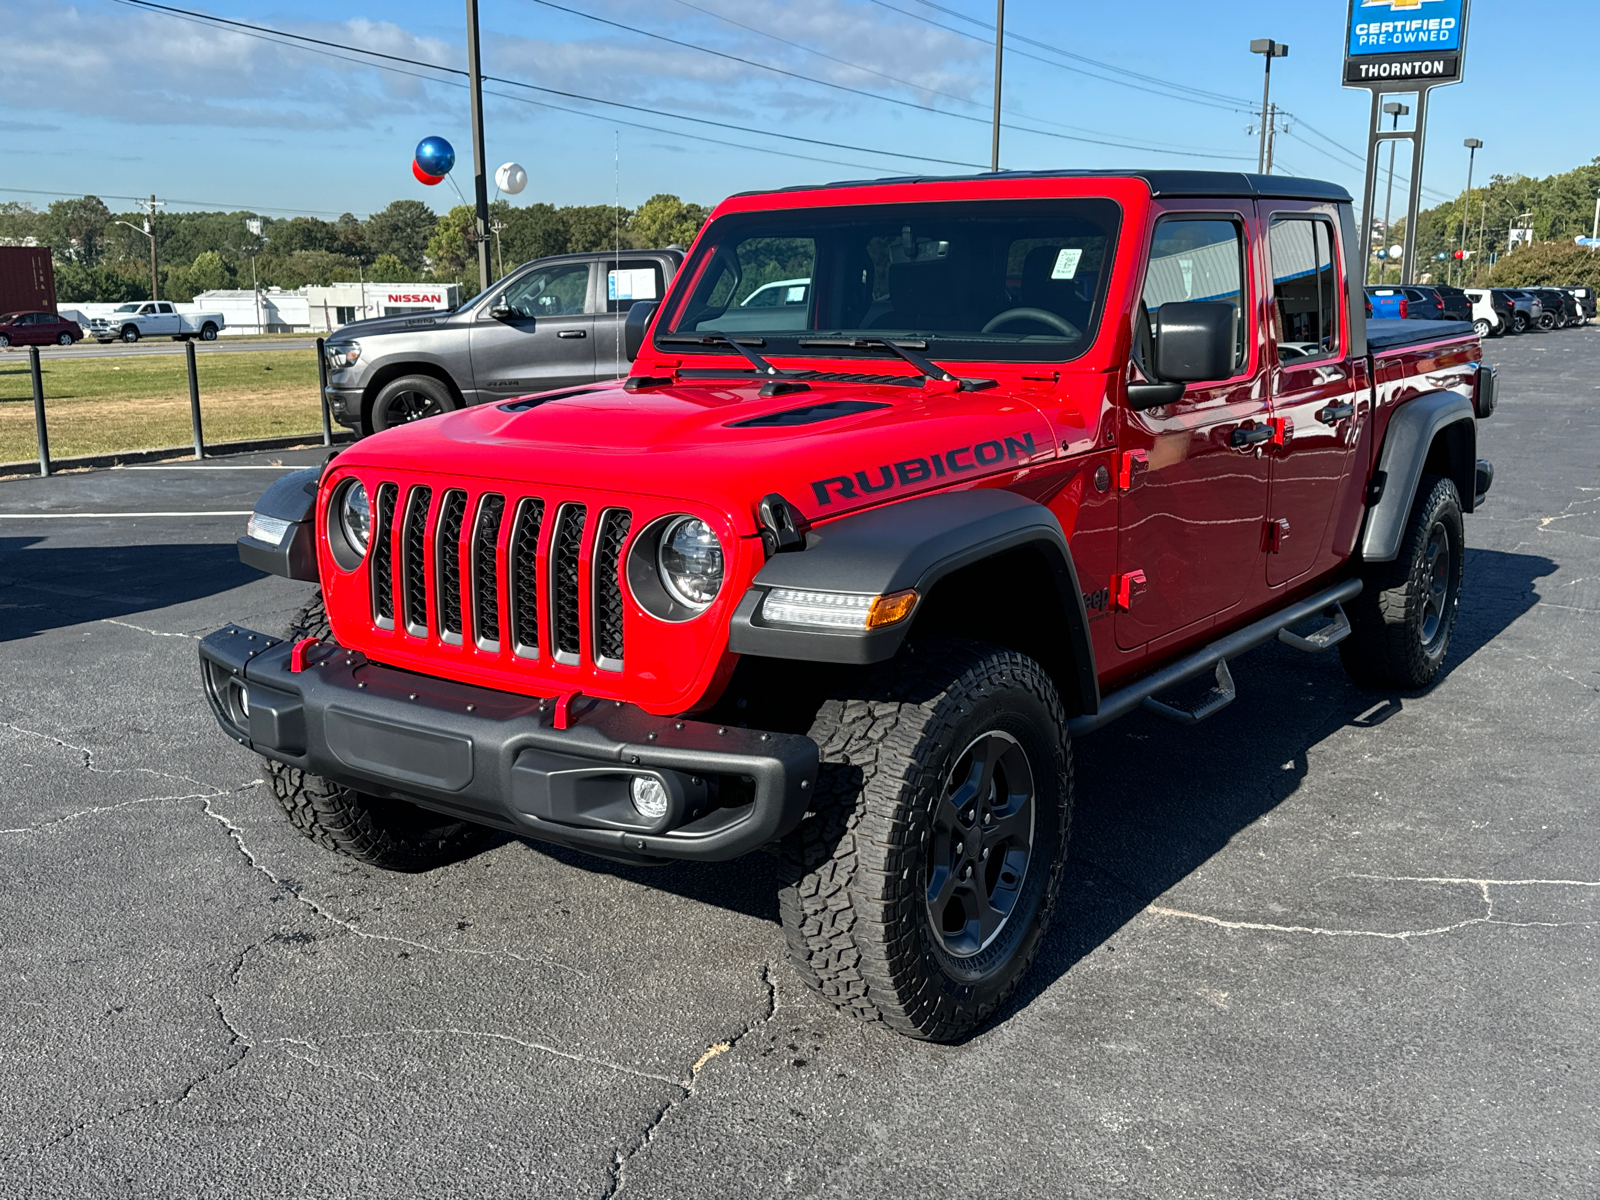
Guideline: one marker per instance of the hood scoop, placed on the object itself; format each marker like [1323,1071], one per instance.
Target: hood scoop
[810,414]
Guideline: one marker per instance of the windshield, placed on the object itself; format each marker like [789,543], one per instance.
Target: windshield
[127,308]
[1017,281]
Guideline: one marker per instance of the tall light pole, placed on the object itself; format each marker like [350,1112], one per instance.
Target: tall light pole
[1270,50]
[999,53]
[151,235]
[1395,110]
[480,181]
[1473,145]
[1594,234]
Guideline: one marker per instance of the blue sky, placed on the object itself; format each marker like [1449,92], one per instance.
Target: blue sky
[102,97]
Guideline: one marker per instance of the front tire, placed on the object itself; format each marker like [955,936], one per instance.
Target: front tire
[391,834]
[1400,624]
[409,398]
[5,340]
[130,333]
[918,890]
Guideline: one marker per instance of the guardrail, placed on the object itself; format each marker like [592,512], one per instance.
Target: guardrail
[42,431]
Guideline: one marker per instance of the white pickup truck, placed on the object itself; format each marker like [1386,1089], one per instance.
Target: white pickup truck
[155,318]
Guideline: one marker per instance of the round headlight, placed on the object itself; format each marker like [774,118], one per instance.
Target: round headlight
[355,516]
[690,559]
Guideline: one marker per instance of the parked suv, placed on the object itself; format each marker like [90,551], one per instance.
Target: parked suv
[1457,304]
[1583,303]
[851,580]
[1558,308]
[552,323]
[1492,311]
[1526,309]
[1388,303]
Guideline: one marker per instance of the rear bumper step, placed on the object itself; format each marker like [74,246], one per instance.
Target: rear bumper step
[498,758]
[1216,655]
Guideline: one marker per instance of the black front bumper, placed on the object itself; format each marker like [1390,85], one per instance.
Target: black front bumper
[498,759]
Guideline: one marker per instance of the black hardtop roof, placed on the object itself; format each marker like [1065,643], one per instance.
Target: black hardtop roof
[1161,183]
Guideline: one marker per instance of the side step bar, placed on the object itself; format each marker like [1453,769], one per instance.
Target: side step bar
[1121,703]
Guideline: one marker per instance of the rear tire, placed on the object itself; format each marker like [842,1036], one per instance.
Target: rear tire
[1400,624]
[208,332]
[919,889]
[391,834]
[1482,327]
[409,398]
[64,339]
[1519,323]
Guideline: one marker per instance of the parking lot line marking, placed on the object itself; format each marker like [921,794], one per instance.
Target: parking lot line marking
[231,512]
[213,467]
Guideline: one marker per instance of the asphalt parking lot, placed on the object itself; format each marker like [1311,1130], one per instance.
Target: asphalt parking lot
[1331,943]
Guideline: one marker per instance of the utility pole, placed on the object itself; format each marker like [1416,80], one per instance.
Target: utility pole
[1473,145]
[1270,50]
[999,53]
[154,285]
[1272,134]
[1395,110]
[1594,234]
[480,180]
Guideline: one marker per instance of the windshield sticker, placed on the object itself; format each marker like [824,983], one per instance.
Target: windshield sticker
[1066,264]
[917,470]
[632,284]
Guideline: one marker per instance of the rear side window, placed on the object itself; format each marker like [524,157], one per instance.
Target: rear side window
[631,280]
[1199,258]
[1305,288]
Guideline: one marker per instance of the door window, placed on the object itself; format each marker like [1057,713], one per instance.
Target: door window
[1305,289]
[557,291]
[1199,258]
[629,281]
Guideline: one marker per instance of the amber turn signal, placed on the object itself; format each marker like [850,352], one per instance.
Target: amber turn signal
[891,609]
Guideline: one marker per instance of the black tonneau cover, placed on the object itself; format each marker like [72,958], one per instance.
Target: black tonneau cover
[1386,333]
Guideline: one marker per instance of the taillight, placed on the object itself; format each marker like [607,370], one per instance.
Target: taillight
[1405,308]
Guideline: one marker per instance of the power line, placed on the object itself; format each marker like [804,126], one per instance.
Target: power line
[862,92]
[212,205]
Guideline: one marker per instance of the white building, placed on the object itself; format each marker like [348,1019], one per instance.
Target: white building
[340,303]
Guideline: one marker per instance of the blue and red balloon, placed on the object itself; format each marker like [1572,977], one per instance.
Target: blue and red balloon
[433,160]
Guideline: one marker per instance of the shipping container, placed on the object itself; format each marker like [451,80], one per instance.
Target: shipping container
[27,279]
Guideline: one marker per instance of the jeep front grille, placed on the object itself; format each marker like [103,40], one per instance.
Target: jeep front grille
[485,572]
[613,532]
[382,558]
[565,544]
[524,568]
[413,562]
[447,552]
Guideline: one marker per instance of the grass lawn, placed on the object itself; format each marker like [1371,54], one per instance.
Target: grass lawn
[103,406]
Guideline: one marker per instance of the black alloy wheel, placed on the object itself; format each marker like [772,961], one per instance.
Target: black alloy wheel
[1440,583]
[409,398]
[981,844]
[403,407]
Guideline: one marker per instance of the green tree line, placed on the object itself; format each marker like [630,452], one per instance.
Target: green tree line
[100,258]
[1558,208]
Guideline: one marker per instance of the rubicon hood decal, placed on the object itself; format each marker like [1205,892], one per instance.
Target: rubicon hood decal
[909,472]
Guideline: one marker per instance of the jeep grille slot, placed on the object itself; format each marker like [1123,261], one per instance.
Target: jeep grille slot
[523,567]
[382,564]
[447,555]
[565,542]
[485,567]
[413,571]
[608,541]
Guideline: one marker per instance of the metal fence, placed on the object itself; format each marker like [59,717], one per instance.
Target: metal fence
[43,432]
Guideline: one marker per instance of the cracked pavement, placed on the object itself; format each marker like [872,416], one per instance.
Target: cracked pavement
[1329,943]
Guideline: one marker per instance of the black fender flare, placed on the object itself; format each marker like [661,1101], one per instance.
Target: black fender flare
[912,544]
[1410,436]
[291,498]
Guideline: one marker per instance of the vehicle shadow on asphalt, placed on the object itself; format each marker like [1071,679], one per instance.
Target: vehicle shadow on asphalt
[1155,801]
[43,588]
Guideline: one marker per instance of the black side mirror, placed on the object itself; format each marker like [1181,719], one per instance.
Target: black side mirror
[1193,342]
[634,327]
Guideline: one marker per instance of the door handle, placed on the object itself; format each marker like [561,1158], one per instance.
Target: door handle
[572,333]
[1335,413]
[1250,437]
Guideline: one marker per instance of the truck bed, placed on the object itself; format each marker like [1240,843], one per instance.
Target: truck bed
[1387,333]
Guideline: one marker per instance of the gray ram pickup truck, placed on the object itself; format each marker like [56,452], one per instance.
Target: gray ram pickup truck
[552,323]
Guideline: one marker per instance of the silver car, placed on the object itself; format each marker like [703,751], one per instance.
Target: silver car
[552,323]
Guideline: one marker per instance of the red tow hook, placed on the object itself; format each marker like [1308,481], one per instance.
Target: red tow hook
[563,715]
[297,656]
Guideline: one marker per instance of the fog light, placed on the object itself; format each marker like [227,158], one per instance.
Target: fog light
[244,700]
[649,797]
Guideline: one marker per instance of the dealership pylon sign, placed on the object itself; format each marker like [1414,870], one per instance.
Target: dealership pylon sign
[1399,47]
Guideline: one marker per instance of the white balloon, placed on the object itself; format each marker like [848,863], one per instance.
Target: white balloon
[1396,251]
[510,178]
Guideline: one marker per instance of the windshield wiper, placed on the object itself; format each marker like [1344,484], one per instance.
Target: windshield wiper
[906,350]
[712,338]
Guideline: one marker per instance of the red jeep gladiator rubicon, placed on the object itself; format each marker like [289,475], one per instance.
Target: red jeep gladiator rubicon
[844,572]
